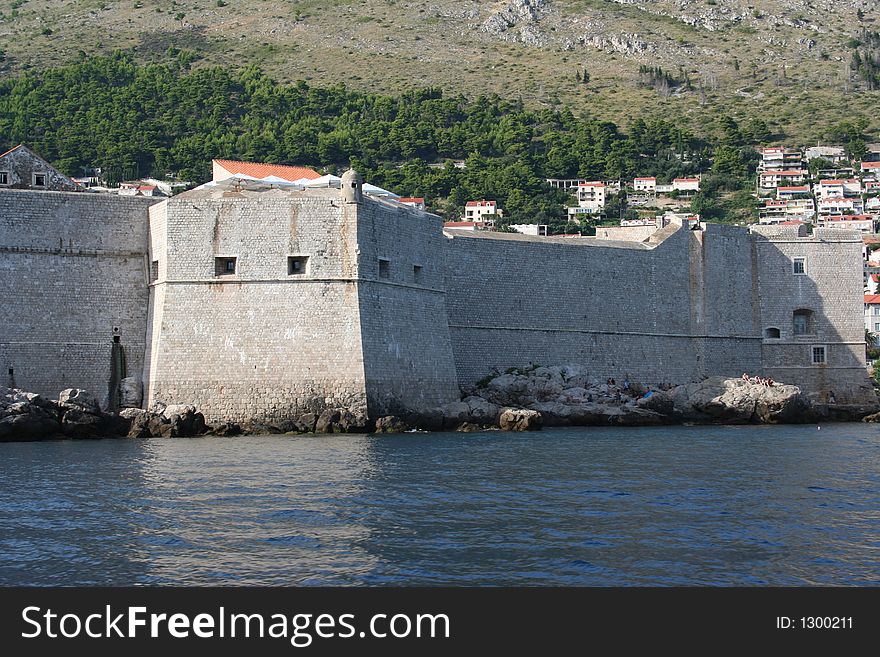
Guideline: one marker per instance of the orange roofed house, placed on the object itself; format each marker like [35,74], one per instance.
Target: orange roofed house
[223,169]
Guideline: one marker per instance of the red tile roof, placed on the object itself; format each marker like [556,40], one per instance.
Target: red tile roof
[480,204]
[872,298]
[645,179]
[591,184]
[257,170]
[871,165]
[459,224]
[411,199]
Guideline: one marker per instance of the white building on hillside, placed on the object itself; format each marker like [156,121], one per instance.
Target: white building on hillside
[482,211]
[780,158]
[863,223]
[785,177]
[872,313]
[648,185]
[834,154]
[832,188]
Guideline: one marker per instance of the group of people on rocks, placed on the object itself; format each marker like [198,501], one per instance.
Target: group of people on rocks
[758,380]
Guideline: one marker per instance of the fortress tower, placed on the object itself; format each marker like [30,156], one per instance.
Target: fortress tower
[269,302]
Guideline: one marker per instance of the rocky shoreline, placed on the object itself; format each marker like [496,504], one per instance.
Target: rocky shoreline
[515,401]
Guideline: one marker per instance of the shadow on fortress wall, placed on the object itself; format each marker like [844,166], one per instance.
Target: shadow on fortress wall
[829,300]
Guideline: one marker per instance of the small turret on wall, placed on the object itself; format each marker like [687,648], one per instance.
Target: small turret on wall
[352,186]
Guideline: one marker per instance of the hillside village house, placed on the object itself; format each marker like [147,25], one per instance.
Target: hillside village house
[781,211]
[833,188]
[871,170]
[536,230]
[464,225]
[839,205]
[839,173]
[416,202]
[686,185]
[482,211]
[139,189]
[780,158]
[834,154]
[864,223]
[788,193]
[648,185]
[872,313]
[591,196]
[786,177]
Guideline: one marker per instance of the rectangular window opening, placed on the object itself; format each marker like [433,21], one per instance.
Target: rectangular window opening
[4,177]
[154,271]
[417,273]
[384,268]
[224,266]
[819,356]
[799,266]
[39,180]
[297,265]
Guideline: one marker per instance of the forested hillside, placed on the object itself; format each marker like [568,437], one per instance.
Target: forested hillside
[136,120]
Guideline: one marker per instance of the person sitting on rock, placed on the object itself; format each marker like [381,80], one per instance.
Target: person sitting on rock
[745,377]
[770,382]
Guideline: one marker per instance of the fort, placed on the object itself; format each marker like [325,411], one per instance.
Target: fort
[255,299]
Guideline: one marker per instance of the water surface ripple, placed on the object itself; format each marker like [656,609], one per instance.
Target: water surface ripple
[592,506]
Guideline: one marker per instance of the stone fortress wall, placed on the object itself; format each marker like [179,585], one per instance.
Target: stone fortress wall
[74,277]
[385,311]
[404,330]
[670,310]
[834,309]
[268,342]
[259,342]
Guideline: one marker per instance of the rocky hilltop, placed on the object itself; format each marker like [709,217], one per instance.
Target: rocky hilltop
[740,54]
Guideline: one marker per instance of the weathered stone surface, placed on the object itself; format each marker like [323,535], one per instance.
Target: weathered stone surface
[454,414]
[342,421]
[77,423]
[658,401]
[735,401]
[391,424]
[328,421]
[131,392]
[555,414]
[227,429]
[77,398]
[481,411]
[139,422]
[520,419]
[431,419]
[28,427]
[178,409]
[306,422]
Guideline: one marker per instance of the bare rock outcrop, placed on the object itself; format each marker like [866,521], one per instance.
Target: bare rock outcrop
[731,401]
[520,419]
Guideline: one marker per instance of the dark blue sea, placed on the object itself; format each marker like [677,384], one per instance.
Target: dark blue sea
[794,505]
